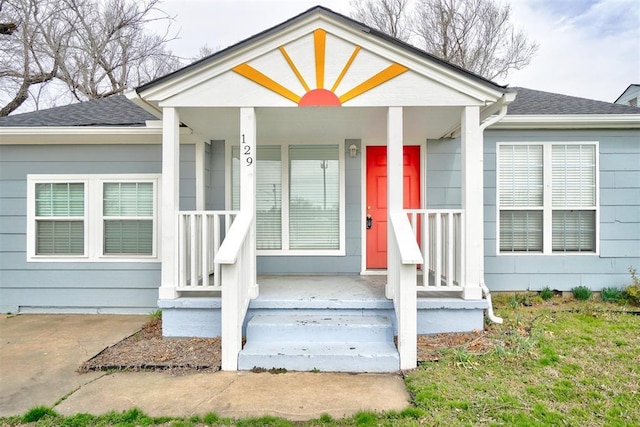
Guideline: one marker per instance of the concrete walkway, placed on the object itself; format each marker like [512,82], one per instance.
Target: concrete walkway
[40,353]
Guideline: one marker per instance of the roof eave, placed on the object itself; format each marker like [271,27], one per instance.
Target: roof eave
[569,121]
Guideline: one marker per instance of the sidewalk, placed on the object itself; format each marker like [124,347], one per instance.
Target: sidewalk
[40,353]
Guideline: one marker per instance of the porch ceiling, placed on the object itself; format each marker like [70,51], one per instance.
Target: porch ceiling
[322,123]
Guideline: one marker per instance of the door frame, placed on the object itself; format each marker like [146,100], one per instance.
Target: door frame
[363,196]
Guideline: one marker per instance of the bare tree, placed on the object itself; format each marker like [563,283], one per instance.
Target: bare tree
[95,48]
[388,16]
[476,35]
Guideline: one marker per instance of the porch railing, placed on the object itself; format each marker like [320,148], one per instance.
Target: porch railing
[200,236]
[404,256]
[440,235]
[237,258]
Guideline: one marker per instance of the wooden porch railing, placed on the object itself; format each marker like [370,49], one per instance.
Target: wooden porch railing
[404,256]
[440,234]
[199,237]
[237,257]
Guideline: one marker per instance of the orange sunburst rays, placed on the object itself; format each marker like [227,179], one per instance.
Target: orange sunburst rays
[319,96]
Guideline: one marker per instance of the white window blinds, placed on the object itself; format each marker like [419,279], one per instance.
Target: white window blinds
[268,194]
[314,197]
[128,218]
[566,217]
[59,215]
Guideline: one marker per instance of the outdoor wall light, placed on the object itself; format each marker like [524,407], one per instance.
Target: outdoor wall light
[353,150]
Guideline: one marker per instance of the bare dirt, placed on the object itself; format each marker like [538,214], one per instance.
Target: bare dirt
[146,350]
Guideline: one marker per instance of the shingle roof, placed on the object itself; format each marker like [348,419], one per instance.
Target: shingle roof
[115,110]
[536,102]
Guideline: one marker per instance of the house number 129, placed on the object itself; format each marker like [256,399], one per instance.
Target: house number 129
[247,152]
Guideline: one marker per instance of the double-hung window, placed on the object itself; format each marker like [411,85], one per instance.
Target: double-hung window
[547,197]
[92,217]
[299,198]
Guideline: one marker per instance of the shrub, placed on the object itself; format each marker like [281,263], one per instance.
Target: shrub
[546,293]
[581,293]
[611,294]
[632,293]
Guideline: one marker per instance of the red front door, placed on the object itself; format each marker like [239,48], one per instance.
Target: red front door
[377,198]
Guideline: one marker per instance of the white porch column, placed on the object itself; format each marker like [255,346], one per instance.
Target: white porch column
[200,185]
[170,202]
[248,183]
[473,201]
[394,181]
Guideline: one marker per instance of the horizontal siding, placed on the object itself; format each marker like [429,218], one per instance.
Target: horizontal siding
[619,155]
[76,286]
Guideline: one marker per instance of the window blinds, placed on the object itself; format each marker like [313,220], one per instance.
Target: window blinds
[128,218]
[63,233]
[268,194]
[314,197]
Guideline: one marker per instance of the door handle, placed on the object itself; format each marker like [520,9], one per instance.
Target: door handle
[369,221]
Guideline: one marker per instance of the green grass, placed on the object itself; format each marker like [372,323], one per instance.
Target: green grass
[554,362]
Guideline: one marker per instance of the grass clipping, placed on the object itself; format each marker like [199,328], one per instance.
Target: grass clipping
[146,350]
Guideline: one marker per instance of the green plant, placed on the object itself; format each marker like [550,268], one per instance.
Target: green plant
[611,294]
[546,293]
[632,292]
[37,413]
[581,293]
[157,314]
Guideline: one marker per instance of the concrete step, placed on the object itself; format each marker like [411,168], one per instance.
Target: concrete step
[322,356]
[327,342]
[319,328]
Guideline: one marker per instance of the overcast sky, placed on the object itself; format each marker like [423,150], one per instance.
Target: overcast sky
[588,48]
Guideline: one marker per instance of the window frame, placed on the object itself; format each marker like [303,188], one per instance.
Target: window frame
[547,202]
[93,217]
[284,176]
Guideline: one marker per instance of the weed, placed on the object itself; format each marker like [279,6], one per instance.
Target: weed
[315,370]
[37,413]
[611,294]
[546,293]
[326,418]
[211,418]
[365,419]
[581,293]
[632,292]
[157,314]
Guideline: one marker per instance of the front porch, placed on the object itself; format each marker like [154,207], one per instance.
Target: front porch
[329,322]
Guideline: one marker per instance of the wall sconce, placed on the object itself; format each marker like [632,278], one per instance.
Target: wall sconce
[353,150]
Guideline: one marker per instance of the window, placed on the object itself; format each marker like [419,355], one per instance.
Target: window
[547,197]
[298,198]
[91,218]
[59,218]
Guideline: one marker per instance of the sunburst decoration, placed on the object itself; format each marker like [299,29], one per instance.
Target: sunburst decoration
[320,96]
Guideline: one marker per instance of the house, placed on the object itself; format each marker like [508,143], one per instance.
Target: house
[274,157]
[629,96]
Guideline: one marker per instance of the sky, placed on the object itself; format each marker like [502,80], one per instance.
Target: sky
[587,48]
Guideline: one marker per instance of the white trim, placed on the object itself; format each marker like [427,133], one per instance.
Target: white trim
[569,121]
[547,208]
[93,218]
[200,166]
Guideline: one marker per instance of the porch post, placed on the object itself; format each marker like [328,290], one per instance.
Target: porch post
[248,158]
[473,201]
[394,183]
[170,202]
[200,191]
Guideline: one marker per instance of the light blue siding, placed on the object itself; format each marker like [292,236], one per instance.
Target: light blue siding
[116,287]
[619,156]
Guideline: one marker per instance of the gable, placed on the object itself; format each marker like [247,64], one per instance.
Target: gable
[320,61]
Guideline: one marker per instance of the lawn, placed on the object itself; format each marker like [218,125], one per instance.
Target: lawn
[555,362]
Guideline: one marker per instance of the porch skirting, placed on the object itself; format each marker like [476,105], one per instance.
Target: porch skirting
[200,316]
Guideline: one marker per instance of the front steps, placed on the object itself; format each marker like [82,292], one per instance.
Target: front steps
[325,342]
